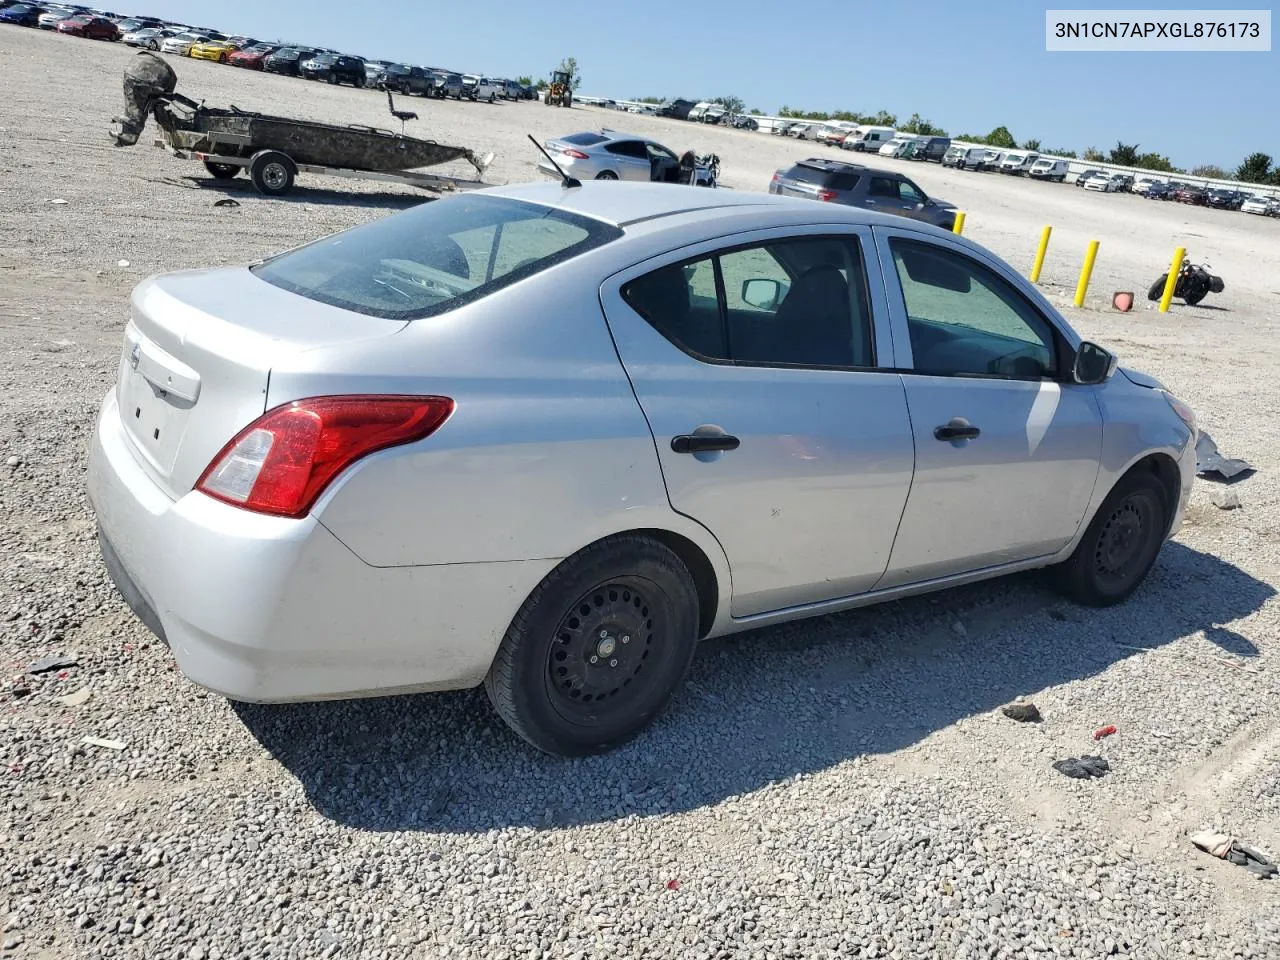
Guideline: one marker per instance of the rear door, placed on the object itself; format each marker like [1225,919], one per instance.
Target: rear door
[766,374]
[1007,446]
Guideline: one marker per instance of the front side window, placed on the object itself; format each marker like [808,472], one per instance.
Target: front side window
[965,320]
[789,302]
[435,257]
[909,192]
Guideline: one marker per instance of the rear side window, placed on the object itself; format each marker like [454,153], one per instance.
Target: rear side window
[435,257]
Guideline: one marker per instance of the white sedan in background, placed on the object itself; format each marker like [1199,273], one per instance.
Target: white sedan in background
[1104,184]
[182,43]
[1259,205]
[149,37]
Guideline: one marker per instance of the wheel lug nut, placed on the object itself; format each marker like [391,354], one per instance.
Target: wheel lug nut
[604,634]
[613,663]
[626,639]
[594,659]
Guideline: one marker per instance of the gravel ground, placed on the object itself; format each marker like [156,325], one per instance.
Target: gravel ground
[842,787]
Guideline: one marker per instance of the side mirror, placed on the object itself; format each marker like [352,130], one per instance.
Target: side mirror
[1093,364]
[761,293]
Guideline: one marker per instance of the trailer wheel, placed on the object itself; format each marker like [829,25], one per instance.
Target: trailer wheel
[272,172]
[221,171]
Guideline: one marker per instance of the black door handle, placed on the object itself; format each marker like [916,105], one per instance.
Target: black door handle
[703,443]
[957,428]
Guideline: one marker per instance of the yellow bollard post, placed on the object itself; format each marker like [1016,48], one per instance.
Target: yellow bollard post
[1040,252]
[1086,272]
[1171,282]
[959,227]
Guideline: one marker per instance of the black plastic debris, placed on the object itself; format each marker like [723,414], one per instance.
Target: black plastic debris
[49,664]
[1022,712]
[1082,768]
[1228,848]
[226,202]
[1212,465]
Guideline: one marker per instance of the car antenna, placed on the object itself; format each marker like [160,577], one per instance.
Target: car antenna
[566,181]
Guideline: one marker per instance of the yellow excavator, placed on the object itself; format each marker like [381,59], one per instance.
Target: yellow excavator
[559,94]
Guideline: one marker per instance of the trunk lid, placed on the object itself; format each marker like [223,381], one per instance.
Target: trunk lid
[198,353]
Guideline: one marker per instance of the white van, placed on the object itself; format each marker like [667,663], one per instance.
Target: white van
[964,158]
[1018,162]
[868,139]
[1047,168]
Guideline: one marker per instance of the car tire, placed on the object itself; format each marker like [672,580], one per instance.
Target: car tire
[152,45]
[630,603]
[606,175]
[272,172]
[222,171]
[1120,545]
[332,79]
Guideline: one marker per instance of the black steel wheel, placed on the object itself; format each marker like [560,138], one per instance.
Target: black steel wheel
[222,171]
[1120,545]
[597,649]
[272,172]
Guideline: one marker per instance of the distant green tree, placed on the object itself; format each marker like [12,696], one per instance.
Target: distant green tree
[922,127]
[570,66]
[541,84]
[1001,137]
[1031,144]
[1256,169]
[648,99]
[1210,172]
[1153,161]
[848,116]
[1125,154]
[1094,155]
[525,81]
[732,104]
[882,118]
[757,112]
[1062,153]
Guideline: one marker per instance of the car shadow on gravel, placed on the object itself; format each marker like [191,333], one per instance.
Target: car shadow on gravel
[242,191]
[758,707]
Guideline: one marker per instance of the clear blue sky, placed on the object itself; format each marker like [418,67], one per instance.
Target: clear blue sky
[965,66]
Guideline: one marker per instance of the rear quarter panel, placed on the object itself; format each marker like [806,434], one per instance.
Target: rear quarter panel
[546,452]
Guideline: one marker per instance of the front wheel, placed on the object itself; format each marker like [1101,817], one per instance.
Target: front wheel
[1157,288]
[1120,545]
[152,45]
[597,649]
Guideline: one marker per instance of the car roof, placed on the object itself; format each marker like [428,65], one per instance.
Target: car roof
[622,203]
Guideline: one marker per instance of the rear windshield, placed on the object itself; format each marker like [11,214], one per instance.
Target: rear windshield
[435,257]
[584,139]
[833,180]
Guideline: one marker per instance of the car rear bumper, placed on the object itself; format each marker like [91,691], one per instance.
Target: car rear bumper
[267,609]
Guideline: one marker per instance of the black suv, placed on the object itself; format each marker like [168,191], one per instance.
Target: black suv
[884,191]
[287,60]
[334,68]
[405,79]
[447,85]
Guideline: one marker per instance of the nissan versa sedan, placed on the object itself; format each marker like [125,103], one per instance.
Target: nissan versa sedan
[546,439]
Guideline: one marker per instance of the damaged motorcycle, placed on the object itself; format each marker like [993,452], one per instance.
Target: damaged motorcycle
[1194,283]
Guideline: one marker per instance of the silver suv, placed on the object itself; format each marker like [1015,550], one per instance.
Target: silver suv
[885,191]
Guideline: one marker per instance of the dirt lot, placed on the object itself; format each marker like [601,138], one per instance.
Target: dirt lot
[845,787]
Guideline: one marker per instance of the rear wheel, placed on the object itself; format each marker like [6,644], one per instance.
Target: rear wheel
[606,175]
[1196,294]
[1120,545]
[222,171]
[596,651]
[272,172]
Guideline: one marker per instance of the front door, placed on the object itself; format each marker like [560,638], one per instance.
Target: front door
[778,423]
[1007,447]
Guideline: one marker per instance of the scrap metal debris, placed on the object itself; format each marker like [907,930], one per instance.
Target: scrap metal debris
[226,202]
[1212,465]
[1082,768]
[75,699]
[1226,847]
[49,664]
[1022,712]
[105,744]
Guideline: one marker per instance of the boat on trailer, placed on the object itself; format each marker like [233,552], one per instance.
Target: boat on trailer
[275,149]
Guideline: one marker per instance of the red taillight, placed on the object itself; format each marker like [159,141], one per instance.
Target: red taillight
[285,459]
[576,154]
[826,195]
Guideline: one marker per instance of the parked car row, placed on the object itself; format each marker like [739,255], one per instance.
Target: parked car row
[288,59]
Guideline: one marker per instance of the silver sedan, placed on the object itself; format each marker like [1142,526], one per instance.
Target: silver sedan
[547,439]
